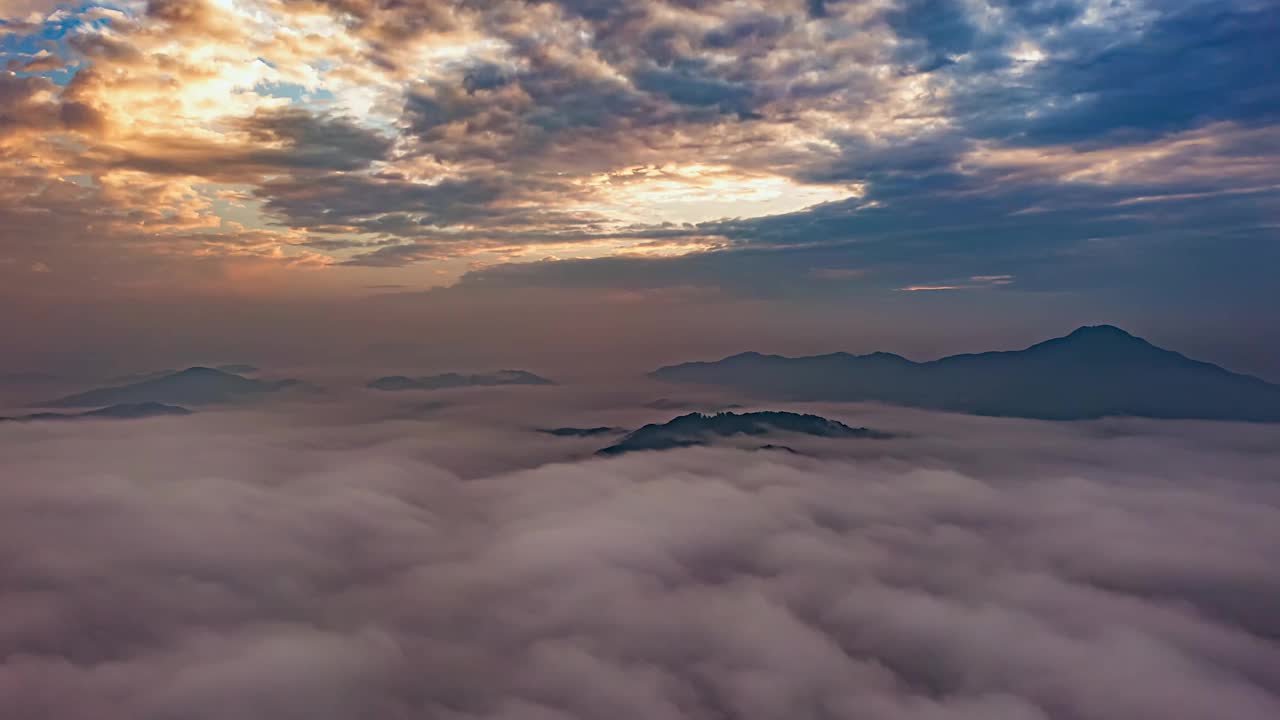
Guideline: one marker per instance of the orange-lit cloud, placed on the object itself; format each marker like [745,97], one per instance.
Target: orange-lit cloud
[769,148]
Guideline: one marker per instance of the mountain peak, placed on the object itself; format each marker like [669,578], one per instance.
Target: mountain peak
[1106,339]
[137,410]
[199,371]
[1095,371]
[1100,332]
[458,380]
[193,386]
[697,428]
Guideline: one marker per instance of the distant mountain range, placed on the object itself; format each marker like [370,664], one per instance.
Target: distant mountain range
[234,369]
[1096,371]
[581,432]
[127,411]
[699,429]
[457,380]
[193,386]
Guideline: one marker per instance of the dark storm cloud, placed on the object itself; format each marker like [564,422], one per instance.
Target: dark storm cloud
[485,116]
[688,83]
[319,566]
[276,141]
[387,24]
[1109,86]
[1190,67]
[348,198]
[323,142]
[737,33]
[935,29]
[926,219]
[1196,64]
[26,104]
[556,93]
[397,255]
[452,215]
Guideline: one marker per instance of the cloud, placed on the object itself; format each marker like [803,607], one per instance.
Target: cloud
[319,565]
[23,9]
[1111,155]
[1193,64]
[292,142]
[29,105]
[1059,218]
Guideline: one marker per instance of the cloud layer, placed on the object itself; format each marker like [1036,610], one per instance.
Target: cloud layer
[442,128]
[248,565]
[1105,161]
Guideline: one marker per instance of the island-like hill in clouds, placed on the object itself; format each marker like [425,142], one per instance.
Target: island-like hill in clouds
[1096,371]
[193,386]
[699,429]
[233,368]
[578,432]
[126,411]
[457,380]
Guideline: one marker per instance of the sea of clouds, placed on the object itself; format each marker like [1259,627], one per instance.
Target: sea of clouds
[435,556]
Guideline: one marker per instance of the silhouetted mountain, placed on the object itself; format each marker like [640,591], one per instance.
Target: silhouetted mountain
[581,432]
[193,386]
[699,429]
[456,380]
[139,376]
[1096,371]
[126,411]
[136,410]
[234,369]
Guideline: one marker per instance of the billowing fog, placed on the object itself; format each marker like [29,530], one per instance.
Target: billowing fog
[434,555]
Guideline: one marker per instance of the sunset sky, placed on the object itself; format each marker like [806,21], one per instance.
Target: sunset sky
[420,182]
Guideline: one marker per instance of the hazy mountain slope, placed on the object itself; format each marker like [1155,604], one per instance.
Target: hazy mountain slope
[193,386]
[1095,371]
[128,411]
[455,380]
[578,432]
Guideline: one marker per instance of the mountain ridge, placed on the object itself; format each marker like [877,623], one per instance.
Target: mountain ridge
[123,411]
[196,385]
[697,428]
[1094,371]
[449,380]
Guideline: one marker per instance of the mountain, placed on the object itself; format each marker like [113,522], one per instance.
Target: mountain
[456,380]
[193,386]
[699,429]
[127,411]
[1095,371]
[581,432]
[234,369]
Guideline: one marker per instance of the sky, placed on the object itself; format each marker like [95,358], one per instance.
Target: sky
[577,182]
